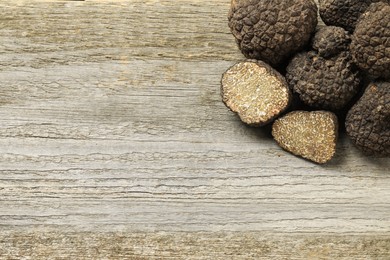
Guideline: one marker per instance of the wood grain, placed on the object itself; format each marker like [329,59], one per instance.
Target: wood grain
[113,138]
[194,245]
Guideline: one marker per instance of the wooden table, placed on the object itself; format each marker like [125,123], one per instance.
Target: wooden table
[114,144]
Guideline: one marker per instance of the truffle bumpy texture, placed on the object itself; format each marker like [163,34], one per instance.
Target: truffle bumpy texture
[311,135]
[370,45]
[331,40]
[368,121]
[324,83]
[344,13]
[255,91]
[272,30]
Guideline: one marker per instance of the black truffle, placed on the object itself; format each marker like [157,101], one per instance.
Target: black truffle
[368,121]
[311,135]
[326,79]
[255,91]
[331,40]
[370,45]
[344,13]
[272,30]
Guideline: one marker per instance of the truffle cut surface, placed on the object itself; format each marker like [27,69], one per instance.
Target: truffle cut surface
[311,135]
[255,91]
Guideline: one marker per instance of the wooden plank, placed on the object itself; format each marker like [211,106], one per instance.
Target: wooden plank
[111,126]
[216,245]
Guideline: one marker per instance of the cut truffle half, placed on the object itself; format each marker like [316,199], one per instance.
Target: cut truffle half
[368,121]
[272,31]
[344,13]
[311,135]
[255,91]
[370,45]
[323,83]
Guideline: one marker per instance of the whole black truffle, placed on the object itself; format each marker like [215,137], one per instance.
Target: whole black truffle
[331,40]
[370,45]
[368,121]
[344,13]
[326,79]
[272,30]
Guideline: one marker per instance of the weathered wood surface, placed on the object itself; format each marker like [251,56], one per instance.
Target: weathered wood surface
[114,143]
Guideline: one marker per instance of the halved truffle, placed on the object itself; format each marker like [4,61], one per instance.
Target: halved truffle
[344,13]
[368,121]
[272,30]
[311,135]
[370,45]
[255,91]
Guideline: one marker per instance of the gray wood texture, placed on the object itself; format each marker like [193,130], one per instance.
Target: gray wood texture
[114,143]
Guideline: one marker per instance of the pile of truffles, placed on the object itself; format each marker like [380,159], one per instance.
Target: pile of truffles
[307,80]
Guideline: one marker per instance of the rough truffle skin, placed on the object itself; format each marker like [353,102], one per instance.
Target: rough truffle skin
[344,13]
[272,30]
[370,45]
[368,121]
[324,83]
[331,40]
